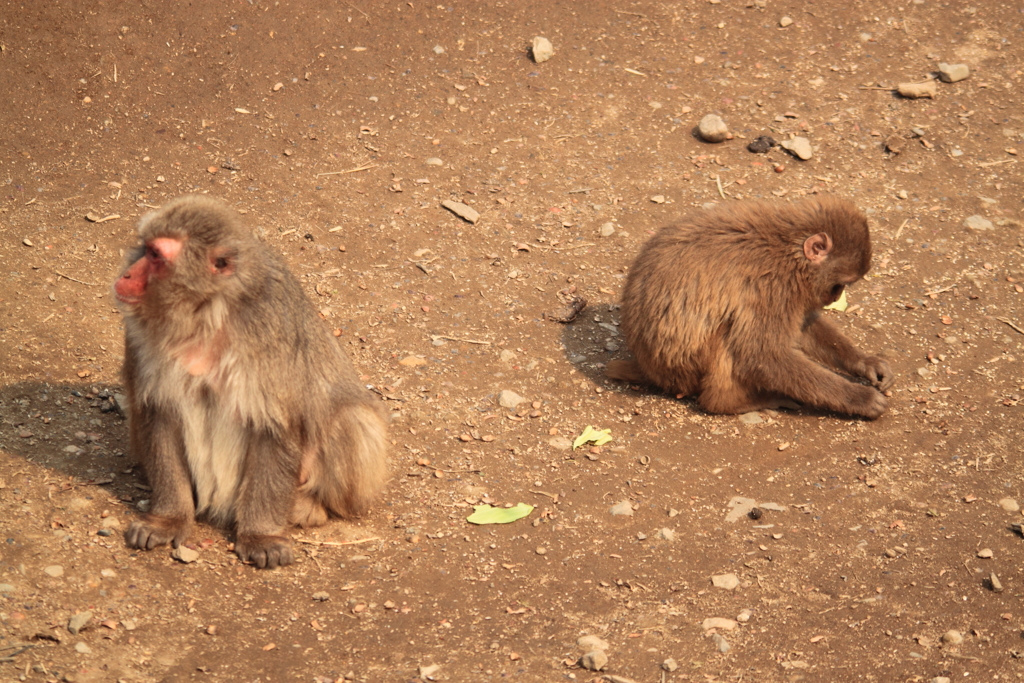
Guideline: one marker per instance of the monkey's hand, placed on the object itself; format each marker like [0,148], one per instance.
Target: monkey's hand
[264,551]
[866,401]
[153,530]
[876,371]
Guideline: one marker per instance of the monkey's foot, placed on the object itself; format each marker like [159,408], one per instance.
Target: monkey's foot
[264,551]
[153,530]
[307,512]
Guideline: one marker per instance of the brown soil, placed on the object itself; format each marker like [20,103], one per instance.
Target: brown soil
[873,551]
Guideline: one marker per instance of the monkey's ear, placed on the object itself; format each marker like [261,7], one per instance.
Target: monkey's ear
[817,247]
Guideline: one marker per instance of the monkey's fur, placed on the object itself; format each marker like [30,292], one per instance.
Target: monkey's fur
[242,406]
[726,305]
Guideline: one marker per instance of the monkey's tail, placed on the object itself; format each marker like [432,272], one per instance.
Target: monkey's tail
[625,371]
[353,466]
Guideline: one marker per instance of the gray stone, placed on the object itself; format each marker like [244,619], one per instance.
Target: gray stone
[623,508]
[721,643]
[739,507]
[727,581]
[916,91]
[561,443]
[507,356]
[6,588]
[978,223]
[1008,504]
[607,230]
[712,128]
[951,73]
[185,554]
[509,399]
[800,147]
[719,623]
[542,49]
[952,637]
[434,161]
[595,660]
[591,643]
[83,649]
[667,534]
[751,418]
[461,210]
[670,665]
[54,570]
[78,622]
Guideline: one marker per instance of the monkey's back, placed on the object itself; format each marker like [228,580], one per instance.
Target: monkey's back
[691,290]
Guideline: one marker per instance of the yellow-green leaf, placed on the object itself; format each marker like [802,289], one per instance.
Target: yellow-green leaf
[598,437]
[488,514]
[839,304]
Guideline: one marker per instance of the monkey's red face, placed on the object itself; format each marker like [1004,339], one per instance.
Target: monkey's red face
[156,262]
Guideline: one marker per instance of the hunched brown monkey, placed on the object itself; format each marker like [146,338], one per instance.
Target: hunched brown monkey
[726,305]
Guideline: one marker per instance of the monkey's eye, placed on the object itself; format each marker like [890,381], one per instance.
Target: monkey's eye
[220,263]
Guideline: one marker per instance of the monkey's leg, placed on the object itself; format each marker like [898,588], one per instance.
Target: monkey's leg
[156,441]
[822,341]
[352,466]
[264,499]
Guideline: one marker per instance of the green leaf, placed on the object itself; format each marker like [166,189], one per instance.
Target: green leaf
[598,437]
[839,304]
[488,514]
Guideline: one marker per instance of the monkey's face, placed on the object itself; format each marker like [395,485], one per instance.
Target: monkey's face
[172,269]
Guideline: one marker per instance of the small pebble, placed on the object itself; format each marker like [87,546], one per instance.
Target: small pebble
[727,581]
[986,553]
[589,643]
[916,91]
[751,418]
[607,230]
[185,554]
[785,21]
[1009,504]
[509,399]
[952,637]
[721,643]
[78,622]
[667,534]
[542,49]
[461,210]
[670,665]
[278,86]
[542,550]
[761,144]
[712,128]
[434,161]
[799,146]
[658,199]
[54,570]
[624,508]
[951,73]
[83,649]
[996,585]
[744,616]
[595,660]
[978,223]
[321,596]
[718,622]
[940,679]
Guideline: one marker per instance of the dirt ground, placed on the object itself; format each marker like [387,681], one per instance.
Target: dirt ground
[337,128]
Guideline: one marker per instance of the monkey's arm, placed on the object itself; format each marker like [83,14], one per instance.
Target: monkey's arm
[270,473]
[823,342]
[156,441]
[789,371]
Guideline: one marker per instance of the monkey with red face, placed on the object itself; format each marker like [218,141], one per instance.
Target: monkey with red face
[726,305]
[242,407]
